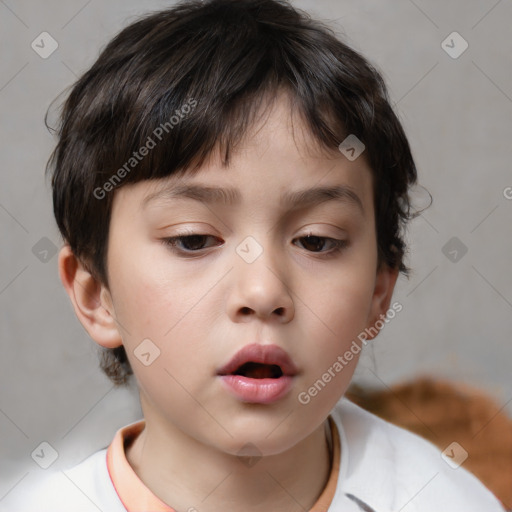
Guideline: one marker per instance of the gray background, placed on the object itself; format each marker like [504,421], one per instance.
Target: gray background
[457,315]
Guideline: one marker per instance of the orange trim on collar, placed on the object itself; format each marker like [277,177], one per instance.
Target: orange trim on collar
[132,492]
[325,499]
[136,497]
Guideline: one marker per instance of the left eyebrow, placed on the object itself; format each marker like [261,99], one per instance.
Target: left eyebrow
[232,196]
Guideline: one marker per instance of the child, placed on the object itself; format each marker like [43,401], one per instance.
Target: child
[247,126]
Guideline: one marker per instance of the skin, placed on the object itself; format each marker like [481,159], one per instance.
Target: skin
[201,310]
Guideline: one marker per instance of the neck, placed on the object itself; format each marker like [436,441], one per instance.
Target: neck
[189,475]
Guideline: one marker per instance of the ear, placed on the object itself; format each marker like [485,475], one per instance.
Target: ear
[384,285]
[91,300]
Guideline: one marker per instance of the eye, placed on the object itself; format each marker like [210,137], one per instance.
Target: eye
[319,241]
[187,243]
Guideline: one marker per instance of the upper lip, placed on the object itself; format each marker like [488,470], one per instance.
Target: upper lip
[264,354]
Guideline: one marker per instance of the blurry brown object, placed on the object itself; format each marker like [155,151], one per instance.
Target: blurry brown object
[443,412]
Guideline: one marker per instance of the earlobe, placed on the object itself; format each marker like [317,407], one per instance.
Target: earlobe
[383,292]
[91,300]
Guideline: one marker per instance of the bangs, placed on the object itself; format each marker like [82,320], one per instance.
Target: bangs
[176,106]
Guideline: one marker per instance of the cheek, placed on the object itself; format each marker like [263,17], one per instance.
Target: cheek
[145,306]
[155,302]
[344,302]
[149,296]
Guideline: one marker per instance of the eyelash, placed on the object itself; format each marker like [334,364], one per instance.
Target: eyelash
[170,242]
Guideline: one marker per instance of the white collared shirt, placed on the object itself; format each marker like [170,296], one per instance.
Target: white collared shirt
[383,468]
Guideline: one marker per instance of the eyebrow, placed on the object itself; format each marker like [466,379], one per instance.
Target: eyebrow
[231,196]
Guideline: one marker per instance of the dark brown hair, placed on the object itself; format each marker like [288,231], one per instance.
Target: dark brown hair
[185,80]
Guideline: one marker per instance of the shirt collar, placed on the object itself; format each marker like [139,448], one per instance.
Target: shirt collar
[136,497]
[132,492]
[368,472]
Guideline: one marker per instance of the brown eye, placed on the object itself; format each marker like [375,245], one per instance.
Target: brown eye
[187,243]
[316,243]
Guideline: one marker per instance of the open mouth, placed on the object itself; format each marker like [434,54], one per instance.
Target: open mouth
[259,371]
[260,362]
[259,374]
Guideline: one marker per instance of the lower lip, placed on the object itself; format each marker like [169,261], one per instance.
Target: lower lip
[258,391]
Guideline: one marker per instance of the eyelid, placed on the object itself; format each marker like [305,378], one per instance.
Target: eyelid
[310,232]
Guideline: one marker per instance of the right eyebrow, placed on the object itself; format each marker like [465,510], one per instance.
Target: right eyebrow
[205,194]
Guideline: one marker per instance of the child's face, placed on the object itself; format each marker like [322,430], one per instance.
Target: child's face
[200,308]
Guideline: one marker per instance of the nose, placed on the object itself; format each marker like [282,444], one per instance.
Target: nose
[261,288]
